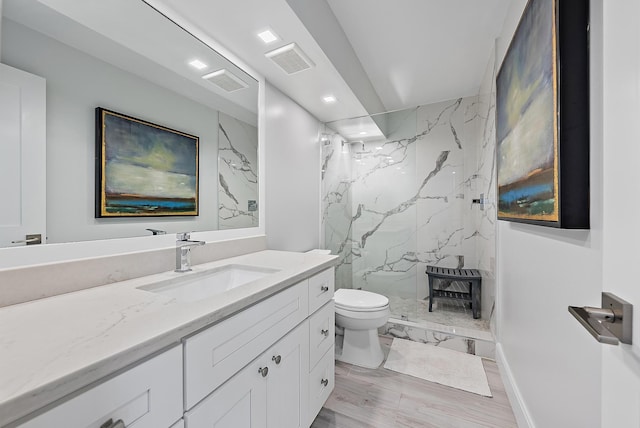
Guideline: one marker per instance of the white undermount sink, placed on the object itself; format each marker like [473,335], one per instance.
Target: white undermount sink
[201,285]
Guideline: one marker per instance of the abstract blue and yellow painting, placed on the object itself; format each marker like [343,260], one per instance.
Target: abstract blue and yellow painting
[145,169]
[526,119]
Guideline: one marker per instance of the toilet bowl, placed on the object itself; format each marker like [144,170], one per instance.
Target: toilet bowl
[360,313]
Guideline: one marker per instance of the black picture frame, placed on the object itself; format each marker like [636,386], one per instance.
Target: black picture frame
[570,115]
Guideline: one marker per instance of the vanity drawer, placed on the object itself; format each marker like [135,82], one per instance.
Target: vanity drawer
[321,382]
[216,354]
[148,395]
[322,332]
[321,287]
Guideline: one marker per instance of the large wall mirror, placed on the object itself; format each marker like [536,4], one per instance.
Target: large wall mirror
[126,57]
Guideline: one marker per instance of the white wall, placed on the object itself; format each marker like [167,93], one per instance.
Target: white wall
[549,360]
[292,174]
[621,131]
[78,83]
[0,28]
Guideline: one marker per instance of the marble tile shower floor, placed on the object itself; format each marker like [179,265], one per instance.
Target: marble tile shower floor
[445,312]
[382,398]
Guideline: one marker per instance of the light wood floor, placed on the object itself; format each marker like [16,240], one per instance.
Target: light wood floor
[384,398]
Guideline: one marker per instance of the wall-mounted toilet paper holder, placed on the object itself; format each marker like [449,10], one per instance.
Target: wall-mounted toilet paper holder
[611,324]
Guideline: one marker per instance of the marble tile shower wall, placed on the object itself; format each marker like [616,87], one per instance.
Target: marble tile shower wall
[238,173]
[336,206]
[392,207]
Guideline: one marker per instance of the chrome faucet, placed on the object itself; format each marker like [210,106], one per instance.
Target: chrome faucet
[183,251]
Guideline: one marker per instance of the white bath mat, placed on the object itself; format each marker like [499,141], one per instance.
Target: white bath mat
[439,365]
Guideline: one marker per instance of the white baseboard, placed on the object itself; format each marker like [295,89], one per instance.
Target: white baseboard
[515,398]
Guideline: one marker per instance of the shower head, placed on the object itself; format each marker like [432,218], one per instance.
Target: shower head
[353,142]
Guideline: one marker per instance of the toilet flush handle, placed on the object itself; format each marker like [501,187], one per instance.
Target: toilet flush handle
[324,288]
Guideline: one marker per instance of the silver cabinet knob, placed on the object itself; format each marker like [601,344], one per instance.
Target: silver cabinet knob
[324,382]
[325,333]
[264,371]
[111,424]
[277,359]
[324,288]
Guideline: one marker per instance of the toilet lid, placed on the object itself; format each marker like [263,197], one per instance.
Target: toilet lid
[359,300]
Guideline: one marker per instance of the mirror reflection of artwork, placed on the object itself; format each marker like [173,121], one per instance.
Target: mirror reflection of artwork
[144,169]
[526,119]
[238,173]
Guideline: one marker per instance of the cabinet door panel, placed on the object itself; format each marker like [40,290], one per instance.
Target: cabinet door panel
[132,397]
[239,403]
[287,402]
[213,356]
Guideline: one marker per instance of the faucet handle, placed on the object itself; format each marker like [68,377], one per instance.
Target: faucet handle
[183,236]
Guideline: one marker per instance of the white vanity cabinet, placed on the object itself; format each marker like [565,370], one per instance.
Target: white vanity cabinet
[215,354]
[270,365]
[147,396]
[269,392]
[278,386]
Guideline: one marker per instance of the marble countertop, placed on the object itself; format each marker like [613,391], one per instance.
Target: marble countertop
[52,347]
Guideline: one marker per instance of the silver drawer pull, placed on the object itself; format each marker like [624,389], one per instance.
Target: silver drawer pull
[111,424]
[325,333]
[324,288]
[264,371]
[324,382]
[277,359]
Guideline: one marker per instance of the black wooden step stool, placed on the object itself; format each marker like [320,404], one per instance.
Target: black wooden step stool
[472,276]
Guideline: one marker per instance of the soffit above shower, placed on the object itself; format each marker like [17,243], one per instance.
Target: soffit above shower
[419,52]
[373,56]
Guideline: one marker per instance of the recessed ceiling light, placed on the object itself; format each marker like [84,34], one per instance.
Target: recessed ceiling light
[268,36]
[329,99]
[196,63]
[363,133]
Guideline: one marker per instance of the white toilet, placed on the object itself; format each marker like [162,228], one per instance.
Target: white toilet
[360,313]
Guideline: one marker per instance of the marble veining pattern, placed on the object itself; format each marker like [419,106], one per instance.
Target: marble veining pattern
[337,217]
[41,362]
[238,175]
[459,339]
[394,206]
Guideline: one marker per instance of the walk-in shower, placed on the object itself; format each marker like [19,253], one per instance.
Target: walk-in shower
[400,192]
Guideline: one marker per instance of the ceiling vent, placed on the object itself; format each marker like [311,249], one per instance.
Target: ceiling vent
[225,80]
[290,58]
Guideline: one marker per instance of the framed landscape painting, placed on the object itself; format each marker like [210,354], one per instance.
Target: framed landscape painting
[144,169]
[542,117]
